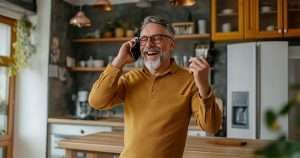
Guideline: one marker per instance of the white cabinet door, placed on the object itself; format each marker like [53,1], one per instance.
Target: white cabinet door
[58,132]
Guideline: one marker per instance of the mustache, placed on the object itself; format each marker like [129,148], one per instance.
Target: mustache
[154,49]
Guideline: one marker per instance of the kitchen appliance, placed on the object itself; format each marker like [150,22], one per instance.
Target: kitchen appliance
[294,78]
[83,110]
[257,77]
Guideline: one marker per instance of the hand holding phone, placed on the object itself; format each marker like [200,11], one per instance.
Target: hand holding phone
[128,53]
[135,49]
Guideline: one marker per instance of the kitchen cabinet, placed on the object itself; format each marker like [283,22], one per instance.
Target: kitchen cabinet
[255,19]
[277,18]
[227,19]
[268,18]
[58,132]
[291,18]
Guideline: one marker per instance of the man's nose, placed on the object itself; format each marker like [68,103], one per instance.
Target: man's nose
[149,43]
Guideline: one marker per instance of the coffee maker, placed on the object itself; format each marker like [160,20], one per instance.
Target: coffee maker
[83,110]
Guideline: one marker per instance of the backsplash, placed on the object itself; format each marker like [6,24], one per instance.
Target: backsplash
[60,92]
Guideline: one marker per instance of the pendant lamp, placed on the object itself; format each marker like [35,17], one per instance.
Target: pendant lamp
[80,19]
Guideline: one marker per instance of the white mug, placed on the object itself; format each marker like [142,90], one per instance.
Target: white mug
[82,63]
[226,27]
[70,62]
[201,26]
[98,63]
[270,28]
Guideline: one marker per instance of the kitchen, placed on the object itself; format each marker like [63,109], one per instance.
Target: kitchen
[50,92]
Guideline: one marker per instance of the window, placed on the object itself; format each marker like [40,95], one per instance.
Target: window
[7,85]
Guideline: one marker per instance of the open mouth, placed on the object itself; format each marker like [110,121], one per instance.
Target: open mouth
[152,53]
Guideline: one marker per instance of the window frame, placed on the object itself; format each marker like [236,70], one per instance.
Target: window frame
[6,141]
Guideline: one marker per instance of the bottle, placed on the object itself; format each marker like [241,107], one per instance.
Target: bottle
[90,62]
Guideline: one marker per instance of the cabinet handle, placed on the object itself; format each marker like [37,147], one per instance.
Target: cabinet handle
[82,131]
[285,30]
[280,31]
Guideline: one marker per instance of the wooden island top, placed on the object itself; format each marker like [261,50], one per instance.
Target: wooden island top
[196,147]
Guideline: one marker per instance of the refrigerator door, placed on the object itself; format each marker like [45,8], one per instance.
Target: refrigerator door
[241,90]
[273,83]
[257,76]
[294,78]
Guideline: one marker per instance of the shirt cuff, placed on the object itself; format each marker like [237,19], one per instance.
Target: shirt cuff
[112,70]
[209,99]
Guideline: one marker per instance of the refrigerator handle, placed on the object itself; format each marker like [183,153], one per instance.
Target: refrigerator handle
[257,89]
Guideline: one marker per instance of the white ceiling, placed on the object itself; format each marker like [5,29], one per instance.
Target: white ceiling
[93,2]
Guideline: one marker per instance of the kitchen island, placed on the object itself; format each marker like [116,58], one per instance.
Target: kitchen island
[196,147]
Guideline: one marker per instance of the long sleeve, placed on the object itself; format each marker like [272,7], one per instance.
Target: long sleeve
[108,90]
[206,112]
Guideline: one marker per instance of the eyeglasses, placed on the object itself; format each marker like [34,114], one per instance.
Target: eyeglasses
[156,39]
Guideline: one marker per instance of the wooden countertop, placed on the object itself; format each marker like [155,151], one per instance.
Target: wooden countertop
[112,121]
[208,147]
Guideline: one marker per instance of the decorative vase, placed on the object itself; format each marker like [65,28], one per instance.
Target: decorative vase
[107,34]
[119,32]
[129,33]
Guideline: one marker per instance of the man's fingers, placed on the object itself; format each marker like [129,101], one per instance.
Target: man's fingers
[196,67]
[199,61]
[192,70]
[198,64]
[204,61]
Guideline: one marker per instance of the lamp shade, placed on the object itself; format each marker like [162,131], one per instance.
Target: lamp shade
[80,20]
[104,5]
[182,2]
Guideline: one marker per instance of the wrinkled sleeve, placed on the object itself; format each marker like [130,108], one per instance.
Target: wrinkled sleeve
[108,90]
[206,111]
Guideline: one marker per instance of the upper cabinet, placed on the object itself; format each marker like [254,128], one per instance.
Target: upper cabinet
[268,18]
[257,19]
[291,18]
[227,19]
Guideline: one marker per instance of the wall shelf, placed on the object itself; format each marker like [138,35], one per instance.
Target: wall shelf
[123,39]
[93,69]
[101,69]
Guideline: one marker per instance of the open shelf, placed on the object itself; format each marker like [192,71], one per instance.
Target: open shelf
[268,13]
[227,15]
[123,39]
[93,69]
[101,69]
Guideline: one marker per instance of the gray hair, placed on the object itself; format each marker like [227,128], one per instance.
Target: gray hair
[159,20]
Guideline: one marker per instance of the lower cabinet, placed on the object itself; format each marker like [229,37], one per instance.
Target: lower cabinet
[58,132]
[198,133]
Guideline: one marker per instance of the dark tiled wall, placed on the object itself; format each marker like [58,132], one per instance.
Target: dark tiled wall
[60,90]
[62,12]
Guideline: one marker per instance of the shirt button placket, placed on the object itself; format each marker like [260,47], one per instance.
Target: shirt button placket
[153,87]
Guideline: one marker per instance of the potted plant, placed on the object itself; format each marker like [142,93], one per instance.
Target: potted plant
[282,147]
[119,28]
[108,30]
[23,46]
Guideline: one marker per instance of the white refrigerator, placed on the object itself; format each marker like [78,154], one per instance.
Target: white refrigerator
[257,80]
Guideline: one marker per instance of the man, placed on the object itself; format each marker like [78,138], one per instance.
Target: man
[160,98]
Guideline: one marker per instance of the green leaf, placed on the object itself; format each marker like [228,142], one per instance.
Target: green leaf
[23,46]
[271,120]
[286,108]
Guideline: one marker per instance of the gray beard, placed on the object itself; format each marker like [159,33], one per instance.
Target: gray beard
[152,66]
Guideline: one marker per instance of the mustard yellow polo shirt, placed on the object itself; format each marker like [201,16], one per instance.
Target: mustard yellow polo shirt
[157,109]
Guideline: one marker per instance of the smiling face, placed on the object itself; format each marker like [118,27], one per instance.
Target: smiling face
[157,45]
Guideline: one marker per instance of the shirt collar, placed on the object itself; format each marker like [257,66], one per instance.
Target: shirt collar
[172,69]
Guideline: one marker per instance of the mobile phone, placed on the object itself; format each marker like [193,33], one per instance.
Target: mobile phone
[135,49]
